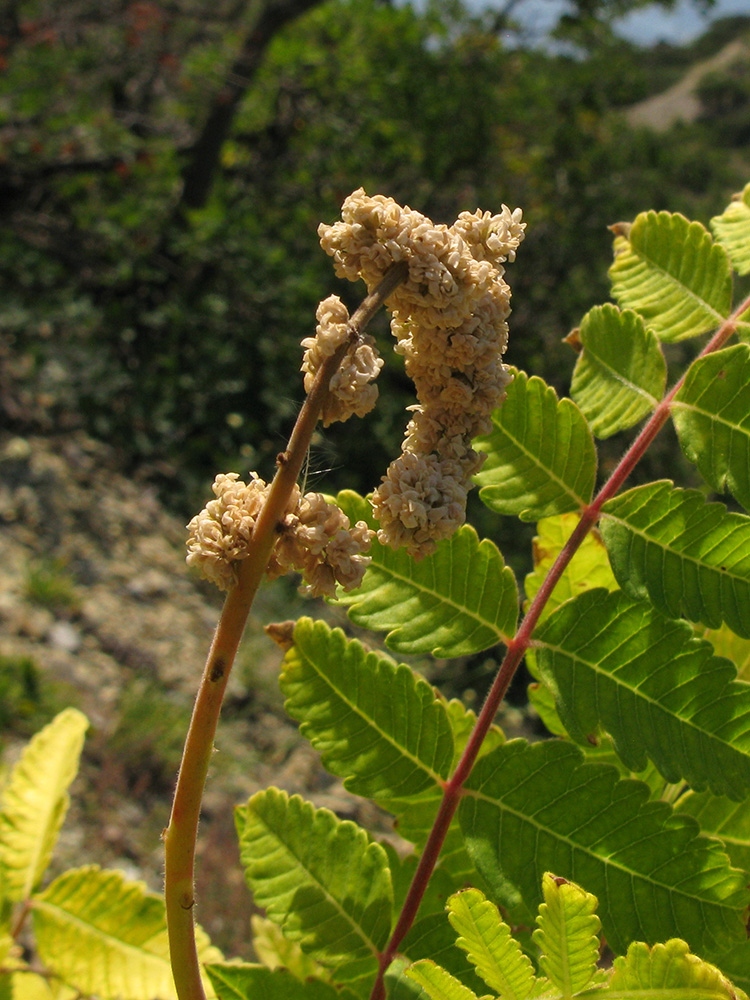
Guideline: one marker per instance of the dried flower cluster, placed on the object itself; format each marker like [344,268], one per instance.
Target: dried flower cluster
[350,390]
[314,537]
[450,321]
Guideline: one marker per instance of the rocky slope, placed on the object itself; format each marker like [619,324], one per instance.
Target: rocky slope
[98,610]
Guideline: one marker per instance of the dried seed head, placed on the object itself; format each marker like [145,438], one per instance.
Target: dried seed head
[314,538]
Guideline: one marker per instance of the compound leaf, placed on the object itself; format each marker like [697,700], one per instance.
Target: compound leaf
[691,559]
[669,968]
[711,413]
[376,724]
[320,878]
[621,373]
[35,801]
[540,454]
[460,600]
[533,808]
[488,942]
[671,272]
[567,935]
[660,693]
[106,936]
[239,981]
[732,229]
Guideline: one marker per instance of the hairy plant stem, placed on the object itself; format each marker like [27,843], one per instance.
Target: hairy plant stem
[180,836]
[516,650]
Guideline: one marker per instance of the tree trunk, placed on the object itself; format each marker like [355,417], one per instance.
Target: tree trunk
[199,173]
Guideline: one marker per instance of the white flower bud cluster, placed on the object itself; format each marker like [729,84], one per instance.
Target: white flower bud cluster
[450,321]
[350,390]
[314,538]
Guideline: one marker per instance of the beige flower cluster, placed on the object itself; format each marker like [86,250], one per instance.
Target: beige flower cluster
[314,538]
[351,392]
[450,322]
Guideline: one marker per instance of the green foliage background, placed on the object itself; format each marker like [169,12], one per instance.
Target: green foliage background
[171,331]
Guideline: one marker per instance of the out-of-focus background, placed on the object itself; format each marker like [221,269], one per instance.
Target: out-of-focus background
[164,165]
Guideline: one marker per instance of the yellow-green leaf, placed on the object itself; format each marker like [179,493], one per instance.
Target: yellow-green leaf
[106,936]
[732,229]
[35,800]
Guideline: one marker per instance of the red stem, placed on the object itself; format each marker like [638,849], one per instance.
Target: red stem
[517,648]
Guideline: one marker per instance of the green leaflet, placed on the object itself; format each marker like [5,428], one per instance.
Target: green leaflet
[671,272]
[669,967]
[460,600]
[732,229]
[722,818]
[437,983]
[105,936]
[320,878]
[376,724]
[489,944]
[621,373]
[238,981]
[567,935]
[431,937]
[528,809]
[691,559]
[659,692]
[711,413]
[35,801]
[540,455]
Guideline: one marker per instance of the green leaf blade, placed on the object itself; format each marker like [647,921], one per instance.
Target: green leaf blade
[711,414]
[659,692]
[106,936]
[568,935]
[669,969]
[437,983]
[35,801]
[527,809]
[732,229]
[540,454]
[691,559]
[669,271]
[321,879]
[376,724]
[488,942]
[621,374]
[460,600]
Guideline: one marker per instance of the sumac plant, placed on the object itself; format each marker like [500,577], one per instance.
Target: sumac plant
[611,859]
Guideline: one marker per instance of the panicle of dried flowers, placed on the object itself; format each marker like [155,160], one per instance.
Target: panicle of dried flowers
[450,322]
[314,537]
